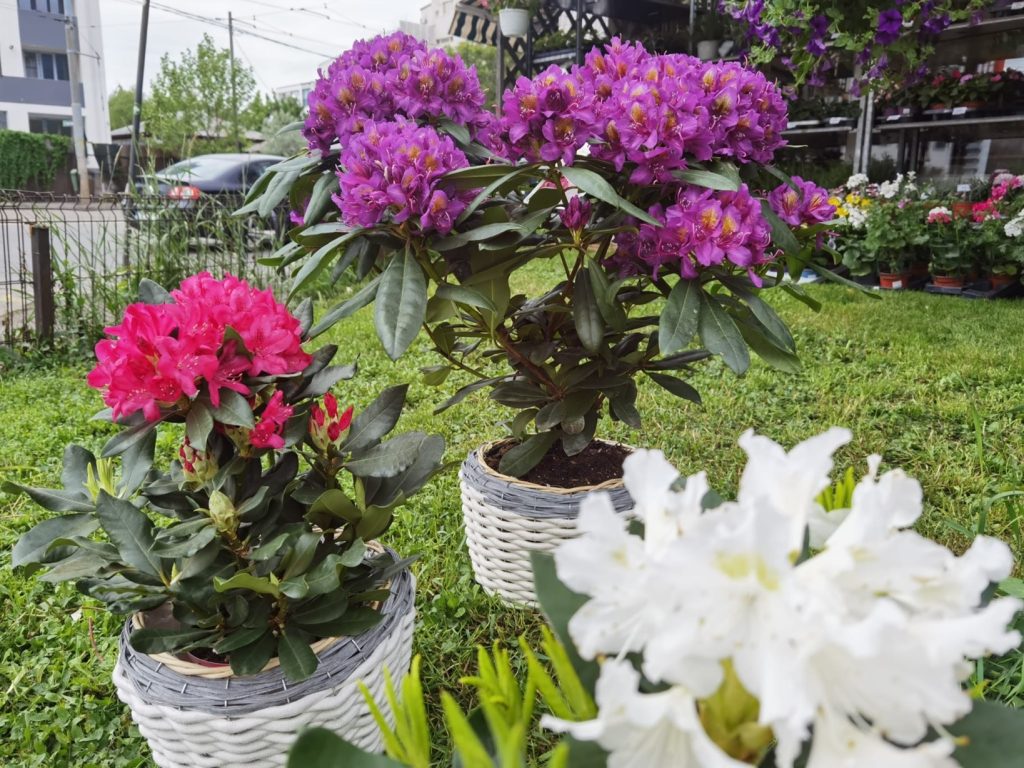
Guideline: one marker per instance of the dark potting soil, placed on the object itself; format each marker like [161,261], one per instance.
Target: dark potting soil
[598,463]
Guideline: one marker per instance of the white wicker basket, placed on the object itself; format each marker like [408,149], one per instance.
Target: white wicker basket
[506,519]
[199,721]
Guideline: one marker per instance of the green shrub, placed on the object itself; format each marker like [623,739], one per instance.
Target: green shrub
[30,157]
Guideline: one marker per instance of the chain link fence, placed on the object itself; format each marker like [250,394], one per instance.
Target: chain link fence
[68,267]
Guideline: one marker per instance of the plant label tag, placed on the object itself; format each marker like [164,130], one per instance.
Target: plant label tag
[958,111]
[897,284]
[963,187]
[835,120]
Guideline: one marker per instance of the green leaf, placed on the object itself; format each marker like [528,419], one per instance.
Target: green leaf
[350,306]
[377,419]
[51,499]
[75,472]
[320,748]
[276,191]
[239,638]
[389,458]
[198,425]
[768,318]
[462,295]
[233,409]
[586,314]
[322,609]
[316,263]
[604,294]
[252,658]
[320,198]
[125,439]
[708,179]
[335,503]
[268,549]
[131,532]
[596,186]
[298,661]
[680,317]
[188,546]
[525,456]
[677,387]
[768,348]
[718,332]
[136,463]
[33,545]
[153,293]
[782,235]
[463,392]
[243,580]
[401,304]
[559,605]
[158,640]
[995,734]
[487,192]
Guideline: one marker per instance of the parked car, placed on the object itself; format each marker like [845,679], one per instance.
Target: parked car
[202,190]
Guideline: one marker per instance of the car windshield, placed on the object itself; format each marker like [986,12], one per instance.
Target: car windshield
[199,168]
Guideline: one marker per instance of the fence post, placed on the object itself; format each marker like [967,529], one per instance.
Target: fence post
[42,281]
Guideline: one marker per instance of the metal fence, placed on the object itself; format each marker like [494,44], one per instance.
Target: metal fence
[68,267]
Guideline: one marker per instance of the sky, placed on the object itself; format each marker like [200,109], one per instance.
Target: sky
[322,29]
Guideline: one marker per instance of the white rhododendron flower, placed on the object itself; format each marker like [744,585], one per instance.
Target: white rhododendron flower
[846,627]
[644,730]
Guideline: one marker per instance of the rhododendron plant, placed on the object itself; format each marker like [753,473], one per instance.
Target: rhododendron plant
[633,174]
[253,543]
[767,631]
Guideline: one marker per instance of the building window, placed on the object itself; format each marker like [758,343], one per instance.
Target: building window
[50,125]
[46,66]
[59,7]
[3,121]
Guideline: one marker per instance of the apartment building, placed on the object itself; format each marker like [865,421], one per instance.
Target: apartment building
[35,92]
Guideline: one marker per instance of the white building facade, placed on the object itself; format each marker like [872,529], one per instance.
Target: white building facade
[35,92]
[436,22]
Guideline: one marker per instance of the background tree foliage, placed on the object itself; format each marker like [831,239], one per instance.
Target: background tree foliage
[121,103]
[190,107]
[483,58]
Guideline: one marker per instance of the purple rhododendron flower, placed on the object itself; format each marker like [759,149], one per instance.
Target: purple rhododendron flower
[392,172]
[704,228]
[808,204]
[890,23]
[547,118]
[385,77]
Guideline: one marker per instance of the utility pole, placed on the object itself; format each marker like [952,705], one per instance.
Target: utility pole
[234,98]
[77,124]
[133,149]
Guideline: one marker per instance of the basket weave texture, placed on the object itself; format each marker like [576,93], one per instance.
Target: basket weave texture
[250,722]
[506,519]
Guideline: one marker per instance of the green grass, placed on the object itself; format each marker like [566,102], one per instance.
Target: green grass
[929,382]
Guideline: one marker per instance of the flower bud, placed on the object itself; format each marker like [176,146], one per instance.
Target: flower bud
[223,513]
[198,466]
[102,479]
[576,215]
[328,427]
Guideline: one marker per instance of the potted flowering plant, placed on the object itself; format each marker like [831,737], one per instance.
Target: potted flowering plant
[950,237]
[438,206]
[895,231]
[513,15]
[248,567]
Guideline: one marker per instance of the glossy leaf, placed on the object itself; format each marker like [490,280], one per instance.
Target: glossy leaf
[708,180]
[350,306]
[33,545]
[243,580]
[198,425]
[525,456]
[680,317]
[597,186]
[586,314]
[160,640]
[320,748]
[401,304]
[234,410]
[377,419]
[718,332]
[677,387]
[131,532]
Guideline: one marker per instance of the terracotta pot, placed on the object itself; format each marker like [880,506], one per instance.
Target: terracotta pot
[893,281]
[973,104]
[938,106]
[1001,281]
[947,281]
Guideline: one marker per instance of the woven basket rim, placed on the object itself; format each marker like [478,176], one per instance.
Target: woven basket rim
[222,671]
[481,452]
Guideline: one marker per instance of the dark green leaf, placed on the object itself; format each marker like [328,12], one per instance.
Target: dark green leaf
[320,198]
[188,546]
[75,472]
[597,186]
[338,312]
[298,661]
[233,409]
[401,304]
[155,640]
[243,580]
[708,180]
[586,314]
[240,638]
[388,458]
[32,547]
[718,332]
[335,503]
[377,419]
[352,623]
[768,348]
[465,391]
[995,736]
[462,295]
[677,387]
[252,658]
[604,294]
[316,263]
[124,440]
[198,425]
[153,293]
[136,463]
[322,609]
[320,748]
[782,235]
[53,500]
[525,456]
[680,317]
[131,532]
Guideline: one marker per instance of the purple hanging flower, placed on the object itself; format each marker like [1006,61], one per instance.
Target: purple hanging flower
[818,27]
[890,24]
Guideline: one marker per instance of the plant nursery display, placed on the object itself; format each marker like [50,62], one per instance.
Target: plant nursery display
[888,41]
[764,631]
[248,566]
[626,173]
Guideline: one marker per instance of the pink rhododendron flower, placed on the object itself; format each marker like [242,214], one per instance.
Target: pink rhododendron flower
[161,353]
[269,429]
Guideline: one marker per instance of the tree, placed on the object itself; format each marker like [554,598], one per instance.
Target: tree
[121,104]
[482,57]
[191,105]
[277,113]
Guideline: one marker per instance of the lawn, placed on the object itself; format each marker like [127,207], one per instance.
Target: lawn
[934,384]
